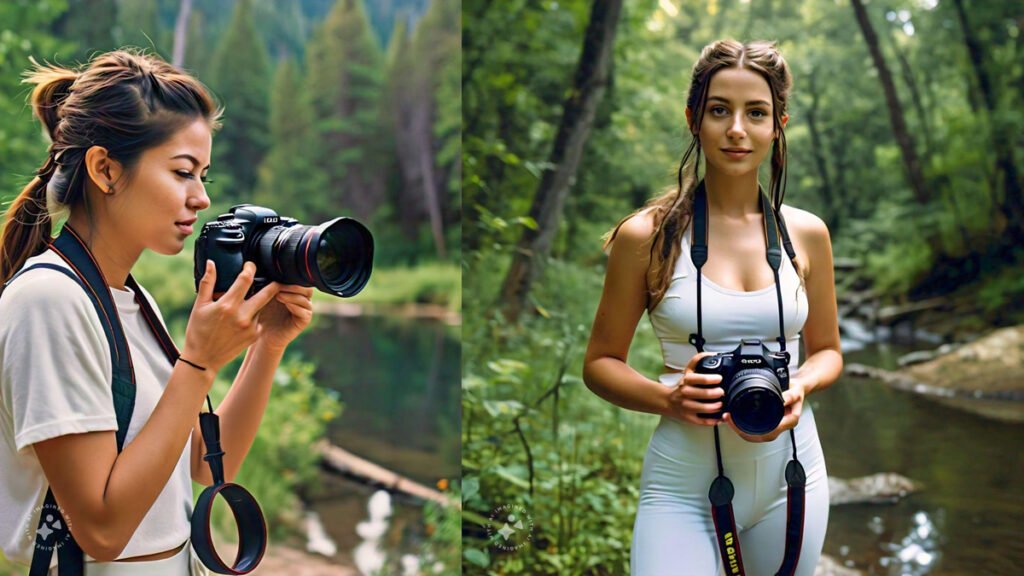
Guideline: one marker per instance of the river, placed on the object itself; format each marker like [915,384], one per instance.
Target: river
[968,518]
[399,383]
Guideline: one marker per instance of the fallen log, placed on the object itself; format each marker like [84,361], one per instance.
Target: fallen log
[351,466]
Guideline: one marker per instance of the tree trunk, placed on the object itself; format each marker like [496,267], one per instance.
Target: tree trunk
[423,126]
[915,96]
[899,125]
[181,33]
[832,210]
[589,85]
[1012,204]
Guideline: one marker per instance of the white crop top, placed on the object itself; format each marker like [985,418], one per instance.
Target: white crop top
[728,315]
[55,376]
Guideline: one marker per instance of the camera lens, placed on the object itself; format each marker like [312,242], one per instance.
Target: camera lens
[336,257]
[344,256]
[755,401]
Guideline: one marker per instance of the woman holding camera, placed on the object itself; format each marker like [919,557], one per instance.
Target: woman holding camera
[736,113]
[130,145]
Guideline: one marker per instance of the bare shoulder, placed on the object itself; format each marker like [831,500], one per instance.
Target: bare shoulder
[638,228]
[634,235]
[805,227]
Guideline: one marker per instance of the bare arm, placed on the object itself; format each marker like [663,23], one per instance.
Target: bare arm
[240,414]
[105,494]
[605,370]
[824,362]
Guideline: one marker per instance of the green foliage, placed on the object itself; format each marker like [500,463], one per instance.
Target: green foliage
[24,34]
[344,77]
[585,452]
[440,553]
[282,457]
[288,176]
[241,75]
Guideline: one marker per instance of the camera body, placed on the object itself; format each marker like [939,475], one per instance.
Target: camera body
[754,378]
[335,257]
[225,240]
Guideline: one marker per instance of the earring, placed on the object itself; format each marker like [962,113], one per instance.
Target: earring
[110,189]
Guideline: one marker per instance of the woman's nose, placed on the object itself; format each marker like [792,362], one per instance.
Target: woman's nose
[736,129]
[200,201]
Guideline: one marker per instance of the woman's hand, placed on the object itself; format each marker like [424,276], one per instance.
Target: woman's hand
[219,330]
[793,401]
[684,400]
[285,317]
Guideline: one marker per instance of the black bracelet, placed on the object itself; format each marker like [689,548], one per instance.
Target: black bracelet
[192,364]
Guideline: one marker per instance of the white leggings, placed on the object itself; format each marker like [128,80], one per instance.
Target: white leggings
[674,534]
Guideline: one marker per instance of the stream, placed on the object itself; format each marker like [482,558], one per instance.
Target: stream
[966,520]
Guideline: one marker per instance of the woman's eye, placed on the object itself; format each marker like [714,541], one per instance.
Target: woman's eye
[717,110]
[189,176]
[760,113]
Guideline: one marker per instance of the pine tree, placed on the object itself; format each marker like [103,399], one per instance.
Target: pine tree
[240,74]
[288,181]
[345,80]
[424,98]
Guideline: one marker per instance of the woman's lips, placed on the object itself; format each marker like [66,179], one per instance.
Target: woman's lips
[185,229]
[736,154]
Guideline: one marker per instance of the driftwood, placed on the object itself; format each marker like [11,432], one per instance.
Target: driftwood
[366,472]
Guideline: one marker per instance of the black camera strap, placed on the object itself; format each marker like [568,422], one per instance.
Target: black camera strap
[722,491]
[53,528]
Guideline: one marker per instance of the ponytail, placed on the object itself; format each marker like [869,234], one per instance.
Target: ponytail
[27,224]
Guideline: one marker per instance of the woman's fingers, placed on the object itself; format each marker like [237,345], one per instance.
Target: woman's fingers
[701,392]
[295,299]
[700,407]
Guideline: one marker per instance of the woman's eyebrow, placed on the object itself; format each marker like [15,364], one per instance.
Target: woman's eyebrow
[749,102]
[190,157]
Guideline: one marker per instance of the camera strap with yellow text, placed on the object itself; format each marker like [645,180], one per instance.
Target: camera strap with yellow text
[722,491]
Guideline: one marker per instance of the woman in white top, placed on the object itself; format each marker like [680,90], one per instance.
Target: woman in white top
[130,147]
[736,112]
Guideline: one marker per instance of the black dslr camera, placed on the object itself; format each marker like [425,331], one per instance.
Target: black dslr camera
[754,378]
[336,257]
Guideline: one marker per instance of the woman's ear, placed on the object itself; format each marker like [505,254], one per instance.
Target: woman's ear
[102,169]
[689,119]
[784,119]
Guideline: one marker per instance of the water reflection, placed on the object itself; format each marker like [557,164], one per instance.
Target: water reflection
[967,518]
[399,383]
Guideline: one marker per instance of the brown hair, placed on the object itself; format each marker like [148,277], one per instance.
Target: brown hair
[672,210]
[126,101]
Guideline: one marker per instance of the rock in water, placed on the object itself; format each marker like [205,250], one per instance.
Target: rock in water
[883,488]
[828,566]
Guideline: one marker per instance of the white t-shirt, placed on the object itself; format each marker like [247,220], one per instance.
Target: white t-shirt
[55,375]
